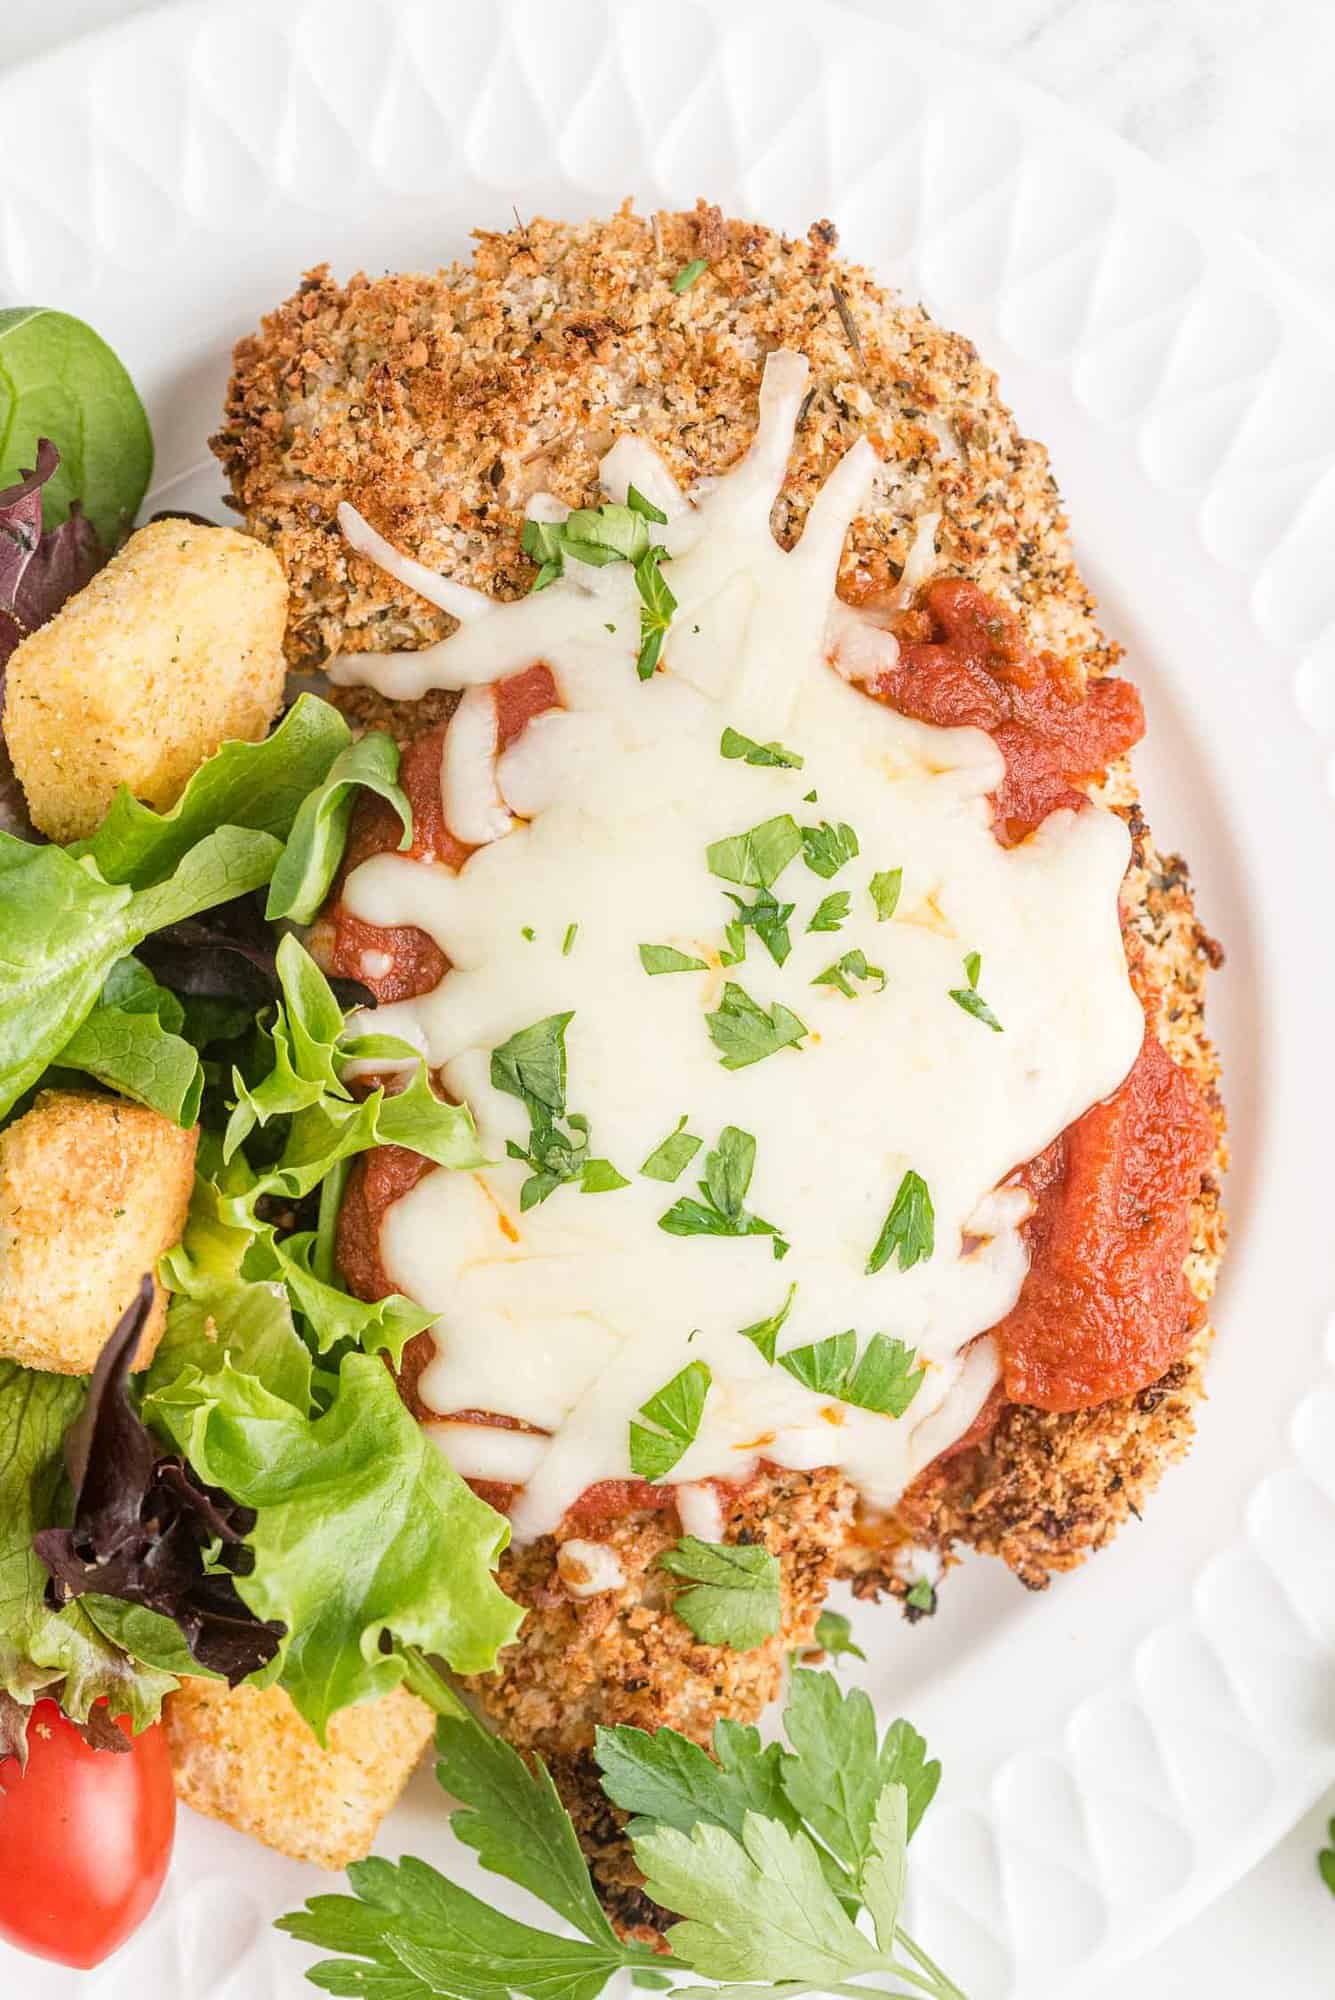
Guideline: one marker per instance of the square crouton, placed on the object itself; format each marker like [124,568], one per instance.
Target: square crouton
[175,647]
[244,1755]
[92,1191]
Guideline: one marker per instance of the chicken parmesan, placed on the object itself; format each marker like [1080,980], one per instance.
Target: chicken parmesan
[777,899]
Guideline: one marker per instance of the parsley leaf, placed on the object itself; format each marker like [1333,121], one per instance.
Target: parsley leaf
[728,1171]
[756,859]
[853,965]
[743,1032]
[1325,1860]
[970,999]
[657,605]
[657,958]
[606,534]
[669,1161]
[733,744]
[688,274]
[764,1333]
[735,933]
[568,940]
[826,848]
[909,1229]
[882,1379]
[667,1778]
[734,1599]
[676,1409]
[834,1635]
[837,1769]
[532,1067]
[830,911]
[885,889]
[757,1909]
[516,1824]
[921,1595]
[768,918]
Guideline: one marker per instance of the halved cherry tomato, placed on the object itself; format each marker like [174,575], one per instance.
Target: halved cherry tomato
[85,1839]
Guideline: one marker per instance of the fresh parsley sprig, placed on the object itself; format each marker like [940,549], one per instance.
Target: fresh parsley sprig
[532,1067]
[834,1635]
[768,918]
[767,1852]
[831,911]
[728,1171]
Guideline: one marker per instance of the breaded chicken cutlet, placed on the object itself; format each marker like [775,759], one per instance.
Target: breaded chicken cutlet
[438,405]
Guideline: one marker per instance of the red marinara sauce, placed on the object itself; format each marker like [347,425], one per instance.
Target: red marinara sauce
[417,963]
[963,662]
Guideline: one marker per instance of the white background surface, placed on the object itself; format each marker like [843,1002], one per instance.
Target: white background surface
[1235,95]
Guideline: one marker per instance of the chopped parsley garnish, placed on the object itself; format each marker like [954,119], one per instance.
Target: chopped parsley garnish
[768,918]
[657,605]
[528,932]
[733,744]
[675,1410]
[909,1230]
[826,848]
[532,1067]
[734,1600]
[568,940]
[853,965]
[882,1378]
[921,1596]
[744,1032]
[885,889]
[728,1171]
[756,859]
[834,1635]
[831,911]
[656,958]
[736,947]
[669,1161]
[1325,1859]
[763,1334]
[970,999]
[688,274]
[606,534]
[809,798]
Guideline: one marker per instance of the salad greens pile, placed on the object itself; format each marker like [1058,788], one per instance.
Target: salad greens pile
[769,1854]
[259,1503]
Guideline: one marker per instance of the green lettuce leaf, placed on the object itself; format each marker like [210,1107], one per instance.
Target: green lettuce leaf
[256,785]
[319,833]
[39,1647]
[363,1531]
[64,928]
[129,1049]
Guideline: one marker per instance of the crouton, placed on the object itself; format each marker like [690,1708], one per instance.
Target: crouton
[244,1755]
[92,1191]
[172,649]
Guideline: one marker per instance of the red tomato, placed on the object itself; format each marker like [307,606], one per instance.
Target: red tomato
[85,1838]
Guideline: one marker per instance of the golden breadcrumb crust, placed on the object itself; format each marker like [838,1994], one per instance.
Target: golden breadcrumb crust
[244,1755]
[92,1191]
[172,649]
[437,405]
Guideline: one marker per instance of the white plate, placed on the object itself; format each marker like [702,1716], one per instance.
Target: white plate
[1119,1750]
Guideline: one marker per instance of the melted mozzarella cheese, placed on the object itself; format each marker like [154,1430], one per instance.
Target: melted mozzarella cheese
[574,1313]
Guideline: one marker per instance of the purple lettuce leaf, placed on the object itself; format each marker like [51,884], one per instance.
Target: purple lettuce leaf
[37,573]
[142,1523]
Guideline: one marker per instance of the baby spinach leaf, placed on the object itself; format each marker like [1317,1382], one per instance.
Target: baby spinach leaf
[60,380]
